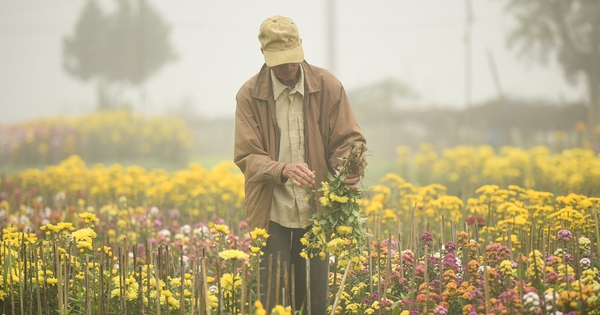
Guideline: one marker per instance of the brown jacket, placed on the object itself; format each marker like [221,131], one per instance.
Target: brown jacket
[329,126]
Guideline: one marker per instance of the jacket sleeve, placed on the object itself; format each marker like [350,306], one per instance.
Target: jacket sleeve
[343,129]
[250,149]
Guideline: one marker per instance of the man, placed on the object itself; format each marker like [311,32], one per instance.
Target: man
[293,122]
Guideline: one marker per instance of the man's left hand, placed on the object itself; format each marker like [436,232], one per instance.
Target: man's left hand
[352,181]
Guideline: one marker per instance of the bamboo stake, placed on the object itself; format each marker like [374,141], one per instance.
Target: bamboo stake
[595,211]
[443,229]
[88,300]
[166,271]
[22,283]
[21,297]
[486,283]
[57,262]
[219,288]
[141,290]
[195,289]
[453,226]
[370,266]
[10,278]
[182,277]
[278,279]
[43,254]
[68,275]
[341,289]
[441,270]
[388,268]
[101,304]
[122,291]
[285,292]
[37,287]
[541,247]
[400,254]
[335,269]
[379,269]
[413,297]
[243,297]
[510,246]
[308,300]
[268,305]
[158,272]
[411,227]
[149,254]
[426,275]
[205,285]
[293,291]
[110,267]
[3,259]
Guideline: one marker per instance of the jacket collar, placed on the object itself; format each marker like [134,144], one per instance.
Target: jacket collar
[263,89]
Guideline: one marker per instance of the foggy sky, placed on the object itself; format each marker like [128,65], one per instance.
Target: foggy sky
[418,42]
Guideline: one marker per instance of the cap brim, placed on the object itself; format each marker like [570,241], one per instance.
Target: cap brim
[276,58]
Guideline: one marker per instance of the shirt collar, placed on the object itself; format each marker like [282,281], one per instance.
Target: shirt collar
[279,87]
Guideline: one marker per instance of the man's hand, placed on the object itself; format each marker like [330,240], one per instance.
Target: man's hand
[299,174]
[352,180]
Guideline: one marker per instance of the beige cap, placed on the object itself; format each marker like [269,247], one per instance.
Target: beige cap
[280,41]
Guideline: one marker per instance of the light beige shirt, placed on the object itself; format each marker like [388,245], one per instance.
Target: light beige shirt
[289,206]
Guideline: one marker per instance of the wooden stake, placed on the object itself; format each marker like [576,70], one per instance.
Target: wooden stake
[243,297]
[268,305]
[308,299]
[595,211]
[278,279]
[88,300]
[205,286]
[486,283]
[341,289]
[293,292]
[286,292]
[37,289]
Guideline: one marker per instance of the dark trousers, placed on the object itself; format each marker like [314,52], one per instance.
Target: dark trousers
[285,243]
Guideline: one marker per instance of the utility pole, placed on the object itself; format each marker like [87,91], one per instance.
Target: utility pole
[495,76]
[467,42]
[140,68]
[330,37]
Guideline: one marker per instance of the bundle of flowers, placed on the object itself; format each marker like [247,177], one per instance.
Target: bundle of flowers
[338,229]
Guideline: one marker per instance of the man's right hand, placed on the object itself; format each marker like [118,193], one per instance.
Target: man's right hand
[299,174]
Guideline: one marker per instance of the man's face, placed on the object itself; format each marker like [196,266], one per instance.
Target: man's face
[286,72]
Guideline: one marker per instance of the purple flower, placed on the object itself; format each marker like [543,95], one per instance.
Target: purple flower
[156,224]
[427,239]
[568,257]
[564,235]
[440,310]
[450,247]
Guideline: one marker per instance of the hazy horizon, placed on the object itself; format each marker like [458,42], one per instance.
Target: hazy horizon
[418,42]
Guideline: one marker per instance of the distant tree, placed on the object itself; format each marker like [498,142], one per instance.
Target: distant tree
[570,29]
[125,47]
[381,97]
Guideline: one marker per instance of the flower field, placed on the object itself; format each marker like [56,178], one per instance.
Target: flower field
[97,137]
[127,240]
